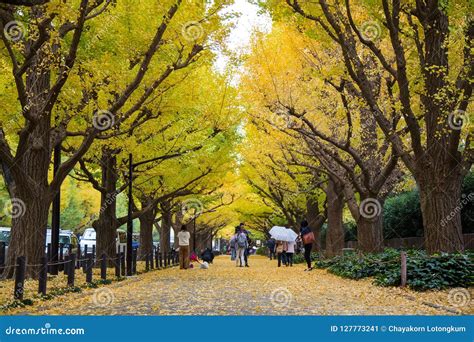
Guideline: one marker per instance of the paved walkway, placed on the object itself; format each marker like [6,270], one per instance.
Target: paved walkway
[262,289]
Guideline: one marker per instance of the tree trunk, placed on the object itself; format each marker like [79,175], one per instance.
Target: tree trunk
[146,233]
[315,220]
[28,234]
[370,234]
[335,230]
[31,196]
[166,223]
[441,211]
[106,225]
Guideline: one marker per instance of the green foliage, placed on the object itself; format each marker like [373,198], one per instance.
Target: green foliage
[262,251]
[402,216]
[424,272]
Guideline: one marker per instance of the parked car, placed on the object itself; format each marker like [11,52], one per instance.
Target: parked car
[89,239]
[66,238]
[135,241]
[5,237]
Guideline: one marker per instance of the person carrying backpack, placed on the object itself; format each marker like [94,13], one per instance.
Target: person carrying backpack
[241,245]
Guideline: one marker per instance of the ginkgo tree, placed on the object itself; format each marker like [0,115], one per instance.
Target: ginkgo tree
[421,54]
[76,72]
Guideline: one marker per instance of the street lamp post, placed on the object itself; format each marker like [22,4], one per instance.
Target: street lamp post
[194,234]
[55,214]
[129,217]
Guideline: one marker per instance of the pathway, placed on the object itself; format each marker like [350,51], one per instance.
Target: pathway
[223,289]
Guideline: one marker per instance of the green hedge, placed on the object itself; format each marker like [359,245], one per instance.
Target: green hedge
[424,272]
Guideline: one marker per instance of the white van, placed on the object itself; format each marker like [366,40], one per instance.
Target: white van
[66,238]
[89,239]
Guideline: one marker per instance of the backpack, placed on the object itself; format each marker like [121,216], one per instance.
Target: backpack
[308,238]
[242,240]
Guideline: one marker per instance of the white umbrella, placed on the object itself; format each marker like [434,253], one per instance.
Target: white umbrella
[283,234]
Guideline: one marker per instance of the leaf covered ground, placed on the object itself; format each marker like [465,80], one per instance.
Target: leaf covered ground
[262,289]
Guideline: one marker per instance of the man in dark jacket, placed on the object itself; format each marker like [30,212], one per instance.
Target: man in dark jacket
[207,255]
[271,248]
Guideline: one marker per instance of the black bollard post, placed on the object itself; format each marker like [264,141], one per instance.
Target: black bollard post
[103,267]
[89,269]
[2,253]
[161,260]
[147,262]
[19,277]
[93,254]
[84,260]
[157,259]
[66,264]
[76,265]
[117,265]
[122,263]
[43,276]
[134,261]
[72,270]
[150,256]
[61,257]
[48,255]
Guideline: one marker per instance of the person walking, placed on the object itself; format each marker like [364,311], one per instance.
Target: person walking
[280,251]
[183,242]
[271,248]
[249,242]
[233,249]
[307,237]
[241,246]
[290,251]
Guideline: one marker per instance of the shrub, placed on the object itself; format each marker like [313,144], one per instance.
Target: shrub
[262,251]
[424,272]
